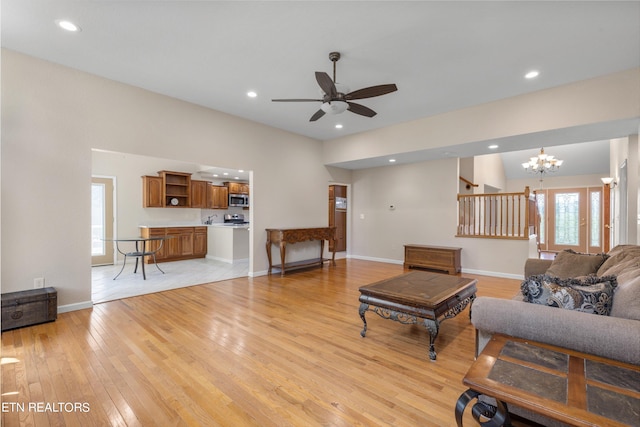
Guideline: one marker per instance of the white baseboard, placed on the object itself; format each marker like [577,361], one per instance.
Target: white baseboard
[74,307]
[368,258]
[258,273]
[493,274]
[464,270]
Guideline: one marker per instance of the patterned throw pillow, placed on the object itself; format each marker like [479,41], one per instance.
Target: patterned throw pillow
[590,294]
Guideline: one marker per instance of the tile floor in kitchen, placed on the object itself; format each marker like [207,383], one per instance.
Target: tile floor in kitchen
[178,274]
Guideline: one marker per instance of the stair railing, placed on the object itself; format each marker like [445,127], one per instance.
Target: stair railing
[497,215]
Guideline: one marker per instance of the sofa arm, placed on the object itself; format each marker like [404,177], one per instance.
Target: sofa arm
[610,337]
[535,266]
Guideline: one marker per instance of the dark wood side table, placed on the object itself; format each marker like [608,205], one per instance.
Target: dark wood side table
[419,294]
[561,384]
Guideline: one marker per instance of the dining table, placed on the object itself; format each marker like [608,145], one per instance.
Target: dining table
[141,249]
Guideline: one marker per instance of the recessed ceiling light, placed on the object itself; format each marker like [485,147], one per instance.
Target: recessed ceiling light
[251,94]
[532,74]
[392,160]
[493,146]
[225,173]
[215,174]
[338,126]
[236,177]
[240,170]
[68,25]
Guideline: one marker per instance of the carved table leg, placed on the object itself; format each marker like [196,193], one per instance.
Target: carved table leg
[269,254]
[495,416]
[362,310]
[283,254]
[432,327]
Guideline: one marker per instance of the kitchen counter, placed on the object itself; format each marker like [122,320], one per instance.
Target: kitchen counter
[228,225]
[171,225]
[228,243]
[217,224]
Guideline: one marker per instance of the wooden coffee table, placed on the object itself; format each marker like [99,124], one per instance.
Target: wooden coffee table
[575,388]
[419,294]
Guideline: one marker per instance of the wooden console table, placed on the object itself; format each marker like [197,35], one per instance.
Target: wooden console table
[282,236]
[434,257]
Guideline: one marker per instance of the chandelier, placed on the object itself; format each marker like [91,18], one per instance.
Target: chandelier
[542,164]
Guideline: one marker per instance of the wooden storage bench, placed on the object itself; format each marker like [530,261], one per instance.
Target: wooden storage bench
[433,257]
[26,308]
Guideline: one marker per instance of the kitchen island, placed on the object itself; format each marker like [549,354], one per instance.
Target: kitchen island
[228,242]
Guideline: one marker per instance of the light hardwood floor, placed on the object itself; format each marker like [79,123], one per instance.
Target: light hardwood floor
[265,351]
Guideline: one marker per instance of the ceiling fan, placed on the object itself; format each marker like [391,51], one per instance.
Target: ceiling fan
[337,97]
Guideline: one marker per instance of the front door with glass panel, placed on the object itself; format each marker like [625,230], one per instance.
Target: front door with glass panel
[574,219]
[101,221]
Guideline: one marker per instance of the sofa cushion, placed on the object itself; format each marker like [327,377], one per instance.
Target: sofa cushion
[569,263]
[604,336]
[621,258]
[627,299]
[589,294]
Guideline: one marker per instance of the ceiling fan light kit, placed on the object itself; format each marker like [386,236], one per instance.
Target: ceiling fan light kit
[334,107]
[335,100]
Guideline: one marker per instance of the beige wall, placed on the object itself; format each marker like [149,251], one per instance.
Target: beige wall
[425,212]
[489,170]
[626,150]
[52,117]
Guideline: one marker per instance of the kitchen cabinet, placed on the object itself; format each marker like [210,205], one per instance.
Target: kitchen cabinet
[238,187]
[199,195]
[217,197]
[186,242]
[153,245]
[152,192]
[182,244]
[177,189]
[200,241]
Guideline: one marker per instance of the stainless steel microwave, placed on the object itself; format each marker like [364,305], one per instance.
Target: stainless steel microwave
[241,200]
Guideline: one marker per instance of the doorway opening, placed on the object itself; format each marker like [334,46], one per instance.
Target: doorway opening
[338,216]
[219,263]
[102,220]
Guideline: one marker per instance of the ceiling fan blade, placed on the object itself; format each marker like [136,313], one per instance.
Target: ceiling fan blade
[296,100]
[361,109]
[326,84]
[316,116]
[370,92]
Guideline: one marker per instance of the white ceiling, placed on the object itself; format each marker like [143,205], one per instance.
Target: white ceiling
[443,56]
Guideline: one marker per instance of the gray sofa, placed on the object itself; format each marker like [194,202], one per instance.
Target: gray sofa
[616,336]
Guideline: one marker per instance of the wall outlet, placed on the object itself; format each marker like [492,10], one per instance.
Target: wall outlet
[38,282]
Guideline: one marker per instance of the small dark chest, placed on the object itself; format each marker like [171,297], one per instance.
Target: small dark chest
[25,308]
